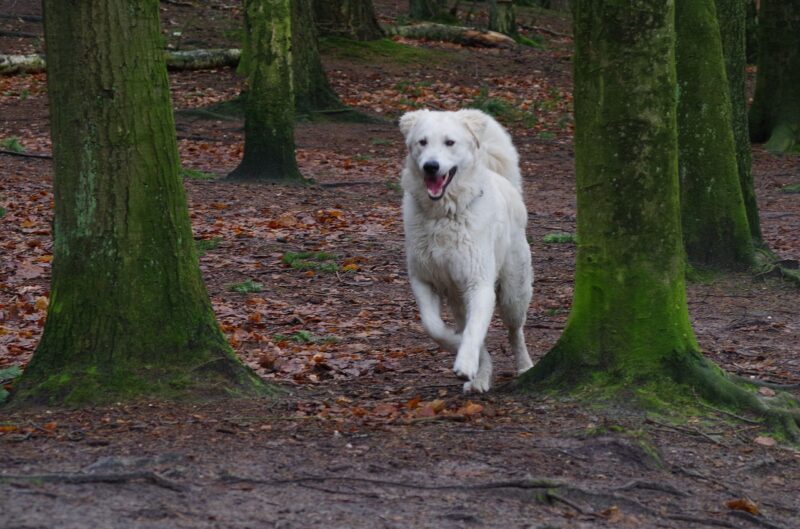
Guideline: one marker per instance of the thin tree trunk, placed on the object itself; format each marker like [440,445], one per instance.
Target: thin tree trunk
[502,18]
[352,19]
[732,27]
[775,114]
[312,91]
[269,152]
[715,229]
[427,9]
[128,312]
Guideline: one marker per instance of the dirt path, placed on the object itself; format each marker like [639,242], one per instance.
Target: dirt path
[373,431]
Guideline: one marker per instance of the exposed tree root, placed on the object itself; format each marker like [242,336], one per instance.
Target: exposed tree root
[76,479]
[781,412]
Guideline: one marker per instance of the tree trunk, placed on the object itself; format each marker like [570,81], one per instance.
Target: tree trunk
[751,31]
[427,9]
[715,229]
[501,17]
[268,94]
[775,114]
[128,312]
[312,91]
[352,19]
[629,332]
[629,312]
[732,27]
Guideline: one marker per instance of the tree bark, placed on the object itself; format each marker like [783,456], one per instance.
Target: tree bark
[732,27]
[715,228]
[269,151]
[502,18]
[128,313]
[775,113]
[629,312]
[629,334]
[312,91]
[427,9]
[353,19]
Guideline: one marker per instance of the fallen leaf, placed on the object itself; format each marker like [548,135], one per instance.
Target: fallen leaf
[743,504]
[767,392]
[765,441]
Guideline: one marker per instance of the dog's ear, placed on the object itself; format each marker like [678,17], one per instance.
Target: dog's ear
[408,119]
[475,121]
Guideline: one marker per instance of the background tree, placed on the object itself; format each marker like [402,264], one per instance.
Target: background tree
[731,15]
[312,91]
[629,325]
[128,313]
[427,9]
[268,96]
[775,113]
[715,229]
[353,19]
[751,31]
[501,17]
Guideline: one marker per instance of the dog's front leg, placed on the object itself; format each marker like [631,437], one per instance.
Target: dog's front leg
[430,312]
[480,306]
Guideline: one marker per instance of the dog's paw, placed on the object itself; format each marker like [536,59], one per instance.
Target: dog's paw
[466,366]
[524,366]
[478,385]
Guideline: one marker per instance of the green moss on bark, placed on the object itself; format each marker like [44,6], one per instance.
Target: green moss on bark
[269,149]
[629,331]
[126,286]
[716,232]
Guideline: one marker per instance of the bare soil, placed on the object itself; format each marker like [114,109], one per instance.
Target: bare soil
[372,430]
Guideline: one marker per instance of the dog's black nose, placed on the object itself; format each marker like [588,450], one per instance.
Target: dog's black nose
[431,167]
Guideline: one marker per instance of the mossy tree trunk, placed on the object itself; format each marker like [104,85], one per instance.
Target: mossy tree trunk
[751,31]
[629,325]
[731,15]
[268,95]
[427,9]
[352,19]
[312,91]
[715,228]
[501,17]
[775,114]
[129,313]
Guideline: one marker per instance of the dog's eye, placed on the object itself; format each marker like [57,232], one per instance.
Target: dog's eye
[449,143]
[423,142]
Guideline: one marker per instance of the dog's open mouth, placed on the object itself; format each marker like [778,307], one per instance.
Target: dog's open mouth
[437,183]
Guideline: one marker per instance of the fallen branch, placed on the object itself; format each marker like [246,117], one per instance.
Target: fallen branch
[79,479]
[176,60]
[26,155]
[457,34]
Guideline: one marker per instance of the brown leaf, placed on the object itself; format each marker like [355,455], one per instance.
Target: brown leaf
[743,504]
[765,441]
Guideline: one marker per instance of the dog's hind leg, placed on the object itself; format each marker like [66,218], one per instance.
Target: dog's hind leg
[514,297]
[430,312]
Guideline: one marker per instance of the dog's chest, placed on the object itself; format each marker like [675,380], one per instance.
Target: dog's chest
[448,251]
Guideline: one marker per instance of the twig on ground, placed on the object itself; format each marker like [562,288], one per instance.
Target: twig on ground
[700,521]
[26,154]
[755,520]
[691,431]
[729,414]
[651,485]
[76,479]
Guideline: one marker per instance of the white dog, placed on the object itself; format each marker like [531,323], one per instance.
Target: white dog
[464,221]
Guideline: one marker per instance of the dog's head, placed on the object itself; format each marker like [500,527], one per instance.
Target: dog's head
[441,145]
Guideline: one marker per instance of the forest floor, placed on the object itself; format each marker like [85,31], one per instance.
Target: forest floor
[373,430]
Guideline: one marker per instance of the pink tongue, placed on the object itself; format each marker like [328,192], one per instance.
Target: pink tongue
[435,184]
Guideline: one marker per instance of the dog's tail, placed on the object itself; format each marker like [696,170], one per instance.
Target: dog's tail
[495,143]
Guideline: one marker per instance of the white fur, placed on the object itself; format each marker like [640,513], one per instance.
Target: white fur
[468,247]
